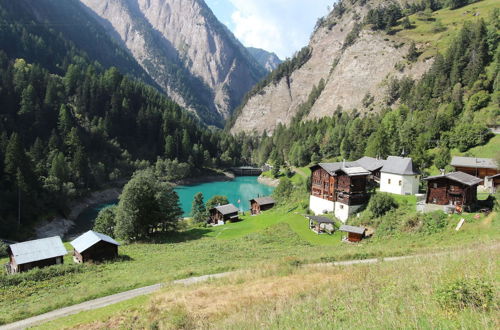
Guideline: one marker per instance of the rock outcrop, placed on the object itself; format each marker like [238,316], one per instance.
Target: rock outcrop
[355,74]
[185,49]
[268,60]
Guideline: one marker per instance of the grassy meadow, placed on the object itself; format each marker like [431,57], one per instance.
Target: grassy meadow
[403,294]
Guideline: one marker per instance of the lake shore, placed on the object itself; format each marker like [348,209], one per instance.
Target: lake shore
[268,181]
[224,176]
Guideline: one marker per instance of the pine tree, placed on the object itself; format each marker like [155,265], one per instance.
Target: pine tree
[198,210]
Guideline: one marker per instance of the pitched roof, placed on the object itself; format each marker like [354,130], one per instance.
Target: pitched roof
[36,250]
[473,162]
[349,168]
[227,209]
[264,200]
[319,219]
[460,177]
[399,165]
[89,239]
[352,229]
[370,163]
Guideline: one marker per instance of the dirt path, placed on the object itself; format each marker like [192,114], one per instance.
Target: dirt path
[119,297]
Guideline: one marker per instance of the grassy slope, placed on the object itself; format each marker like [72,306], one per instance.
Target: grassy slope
[386,295]
[452,19]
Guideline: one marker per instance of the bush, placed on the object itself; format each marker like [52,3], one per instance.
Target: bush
[40,274]
[434,222]
[465,293]
[381,203]
[284,190]
[3,250]
[106,221]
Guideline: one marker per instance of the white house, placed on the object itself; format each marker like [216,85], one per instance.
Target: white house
[399,176]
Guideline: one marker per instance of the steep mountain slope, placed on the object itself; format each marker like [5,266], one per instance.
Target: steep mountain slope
[185,49]
[349,61]
[268,60]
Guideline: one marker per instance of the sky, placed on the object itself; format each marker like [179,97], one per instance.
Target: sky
[279,26]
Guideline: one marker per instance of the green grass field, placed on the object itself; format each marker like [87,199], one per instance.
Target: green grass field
[425,33]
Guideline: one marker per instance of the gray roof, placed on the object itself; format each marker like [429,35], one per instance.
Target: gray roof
[370,163]
[399,165]
[227,209]
[349,168]
[264,200]
[473,162]
[460,177]
[352,229]
[36,250]
[320,219]
[89,239]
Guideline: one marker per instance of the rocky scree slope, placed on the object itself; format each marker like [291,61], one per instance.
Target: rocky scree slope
[185,49]
[350,62]
[268,60]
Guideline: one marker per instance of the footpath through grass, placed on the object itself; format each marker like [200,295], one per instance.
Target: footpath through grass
[277,237]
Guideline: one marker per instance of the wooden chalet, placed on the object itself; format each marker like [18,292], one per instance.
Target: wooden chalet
[458,189]
[478,167]
[261,204]
[223,213]
[320,224]
[92,247]
[354,234]
[338,187]
[35,254]
[373,165]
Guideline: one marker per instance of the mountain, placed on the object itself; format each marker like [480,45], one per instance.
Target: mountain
[268,60]
[349,60]
[184,48]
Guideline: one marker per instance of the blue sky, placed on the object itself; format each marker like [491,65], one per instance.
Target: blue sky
[280,26]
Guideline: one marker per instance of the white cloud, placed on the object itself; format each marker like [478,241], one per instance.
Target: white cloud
[281,26]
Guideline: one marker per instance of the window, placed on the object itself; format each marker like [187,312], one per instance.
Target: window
[341,206]
[435,185]
[389,181]
[400,183]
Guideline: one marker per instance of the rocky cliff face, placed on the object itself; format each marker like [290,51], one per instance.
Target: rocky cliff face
[183,47]
[355,74]
[268,60]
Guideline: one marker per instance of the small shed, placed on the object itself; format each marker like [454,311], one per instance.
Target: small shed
[93,246]
[261,204]
[457,189]
[37,253]
[320,224]
[354,234]
[223,213]
[478,167]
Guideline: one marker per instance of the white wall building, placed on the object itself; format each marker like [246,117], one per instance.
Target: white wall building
[399,176]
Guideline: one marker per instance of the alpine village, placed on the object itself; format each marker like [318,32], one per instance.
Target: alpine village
[157,172]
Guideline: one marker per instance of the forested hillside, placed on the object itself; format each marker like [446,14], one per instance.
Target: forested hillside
[449,107]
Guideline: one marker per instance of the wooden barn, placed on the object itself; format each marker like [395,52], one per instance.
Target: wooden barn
[478,167]
[354,234]
[37,253]
[261,204]
[93,246]
[458,189]
[221,214]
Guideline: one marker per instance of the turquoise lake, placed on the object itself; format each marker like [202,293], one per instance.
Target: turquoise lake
[241,189]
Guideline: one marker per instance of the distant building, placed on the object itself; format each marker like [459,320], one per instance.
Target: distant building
[478,167]
[399,176]
[93,246]
[456,189]
[354,234]
[320,224]
[340,188]
[221,214]
[261,204]
[492,183]
[37,253]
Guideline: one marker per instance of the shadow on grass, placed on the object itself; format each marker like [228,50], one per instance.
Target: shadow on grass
[179,237]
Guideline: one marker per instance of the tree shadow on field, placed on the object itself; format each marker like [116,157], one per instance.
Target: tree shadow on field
[179,237]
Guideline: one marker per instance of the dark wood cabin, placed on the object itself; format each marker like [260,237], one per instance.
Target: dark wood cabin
[35,254]
[340,182]
[478,167]
[261,204]
[354,234]
[320,224]
[457,188]
[223,213]
[94,247]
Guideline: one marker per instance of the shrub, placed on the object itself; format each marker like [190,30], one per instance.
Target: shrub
[465,293]
[381,203]
[106,221]
[284,190]
[3,250]
[40,274]
[434,222]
